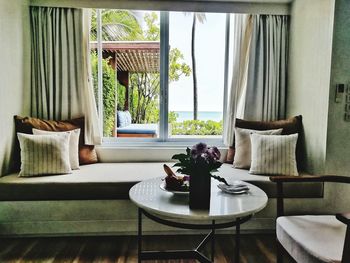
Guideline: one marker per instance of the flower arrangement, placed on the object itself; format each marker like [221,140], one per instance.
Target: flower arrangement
[199,159]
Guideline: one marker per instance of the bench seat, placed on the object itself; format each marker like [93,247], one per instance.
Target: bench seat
[104,181]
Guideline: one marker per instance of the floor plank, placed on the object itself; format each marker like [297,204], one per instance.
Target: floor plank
[254,248]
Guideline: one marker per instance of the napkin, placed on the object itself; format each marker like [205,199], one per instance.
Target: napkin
[238,187]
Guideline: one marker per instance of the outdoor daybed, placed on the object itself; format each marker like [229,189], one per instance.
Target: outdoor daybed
[138,130]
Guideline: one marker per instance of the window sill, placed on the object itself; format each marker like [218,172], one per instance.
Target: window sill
[146,152]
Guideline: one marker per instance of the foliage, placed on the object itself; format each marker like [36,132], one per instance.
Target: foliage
[144,88]
[177,67]
[153,28]
[109,92]
[197,127]
[116,25]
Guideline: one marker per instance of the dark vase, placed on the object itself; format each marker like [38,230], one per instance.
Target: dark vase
[200,184]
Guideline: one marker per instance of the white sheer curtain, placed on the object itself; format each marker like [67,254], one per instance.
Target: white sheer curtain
[93,133]
[267,74]
[61,81]
[241,29]
[259,46]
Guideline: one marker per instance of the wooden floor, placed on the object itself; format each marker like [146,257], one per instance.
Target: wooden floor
[254,248]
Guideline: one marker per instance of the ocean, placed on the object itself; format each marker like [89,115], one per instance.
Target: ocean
[202,115]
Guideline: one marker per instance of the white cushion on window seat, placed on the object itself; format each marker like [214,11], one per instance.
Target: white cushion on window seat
[312,239]
[113,181]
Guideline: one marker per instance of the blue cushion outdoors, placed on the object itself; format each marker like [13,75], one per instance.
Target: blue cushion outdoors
[123,118]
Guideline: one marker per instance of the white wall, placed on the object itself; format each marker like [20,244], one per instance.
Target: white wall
[309,76]
[338,140]
[14,71]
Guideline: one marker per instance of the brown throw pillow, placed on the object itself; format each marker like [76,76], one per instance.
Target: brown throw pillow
[230,155]
[289,126]
[87,153]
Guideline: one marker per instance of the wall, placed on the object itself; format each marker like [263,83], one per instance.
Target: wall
[309,75]
[14,71]
[338,142]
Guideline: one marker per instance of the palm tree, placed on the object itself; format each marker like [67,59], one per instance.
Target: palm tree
[201,19]
[116,25]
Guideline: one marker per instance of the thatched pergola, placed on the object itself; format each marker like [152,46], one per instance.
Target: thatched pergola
[130,57]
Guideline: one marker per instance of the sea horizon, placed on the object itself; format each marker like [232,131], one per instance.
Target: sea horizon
[202,115]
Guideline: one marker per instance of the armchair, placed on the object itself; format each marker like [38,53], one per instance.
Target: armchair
[308,238]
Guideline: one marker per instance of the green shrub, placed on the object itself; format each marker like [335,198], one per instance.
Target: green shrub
[197,127]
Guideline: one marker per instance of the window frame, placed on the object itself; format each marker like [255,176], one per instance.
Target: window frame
[163,139]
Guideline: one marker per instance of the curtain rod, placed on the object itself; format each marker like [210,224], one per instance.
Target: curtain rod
[220,6]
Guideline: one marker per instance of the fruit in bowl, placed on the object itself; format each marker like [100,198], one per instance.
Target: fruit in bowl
[175,182]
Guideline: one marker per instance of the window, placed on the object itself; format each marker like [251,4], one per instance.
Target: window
[153,81]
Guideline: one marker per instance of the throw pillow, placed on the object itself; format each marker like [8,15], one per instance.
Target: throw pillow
[44,154]
[273,154]
[123,119]
[290,126]
[73,145]
[87,153]
[242,157]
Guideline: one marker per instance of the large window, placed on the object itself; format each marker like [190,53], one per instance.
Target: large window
[159,76]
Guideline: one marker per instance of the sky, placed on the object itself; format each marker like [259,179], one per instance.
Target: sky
[210,53]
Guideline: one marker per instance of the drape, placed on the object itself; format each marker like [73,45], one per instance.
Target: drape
[257,91]
[267,72]
[241,27]
[61,86]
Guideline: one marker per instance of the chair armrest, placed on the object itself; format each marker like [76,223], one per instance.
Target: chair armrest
[310,178]
[344,217]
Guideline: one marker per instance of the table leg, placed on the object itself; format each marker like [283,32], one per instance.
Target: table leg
[213,241]
[139,235]
[238,227]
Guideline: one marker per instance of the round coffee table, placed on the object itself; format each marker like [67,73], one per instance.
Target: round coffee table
[165,208]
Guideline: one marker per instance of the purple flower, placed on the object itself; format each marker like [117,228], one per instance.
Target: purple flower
[214,153]
[198,149]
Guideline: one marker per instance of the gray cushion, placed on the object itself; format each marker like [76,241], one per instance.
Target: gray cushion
[114,180]
[312,239]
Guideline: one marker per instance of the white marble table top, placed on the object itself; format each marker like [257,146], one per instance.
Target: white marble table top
[148,196]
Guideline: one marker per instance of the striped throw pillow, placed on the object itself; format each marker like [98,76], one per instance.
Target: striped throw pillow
[243,154]
[44,154]
[273,154]
[73,144]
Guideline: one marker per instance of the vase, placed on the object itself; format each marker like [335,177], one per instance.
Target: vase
[200,184]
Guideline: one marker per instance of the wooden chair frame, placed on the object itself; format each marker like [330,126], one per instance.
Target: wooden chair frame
[344,217]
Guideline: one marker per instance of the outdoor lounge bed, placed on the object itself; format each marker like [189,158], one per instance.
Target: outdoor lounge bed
[138,130]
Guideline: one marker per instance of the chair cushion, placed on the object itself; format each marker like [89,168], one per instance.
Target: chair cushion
[312,239]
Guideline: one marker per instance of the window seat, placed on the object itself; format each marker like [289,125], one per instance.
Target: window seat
[105,181]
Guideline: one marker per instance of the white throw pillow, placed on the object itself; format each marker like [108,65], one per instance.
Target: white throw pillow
[273,154]
[73,144]
[44,154]
[242,158]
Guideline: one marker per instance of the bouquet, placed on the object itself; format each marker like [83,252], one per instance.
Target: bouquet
[200,159]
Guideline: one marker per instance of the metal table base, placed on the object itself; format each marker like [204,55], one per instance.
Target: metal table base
[188,254]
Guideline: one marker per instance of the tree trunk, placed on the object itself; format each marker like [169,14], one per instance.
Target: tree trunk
[194,73]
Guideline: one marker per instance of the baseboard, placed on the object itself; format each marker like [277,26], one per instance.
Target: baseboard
[115,227]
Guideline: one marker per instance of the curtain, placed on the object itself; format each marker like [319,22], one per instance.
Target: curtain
[61,86]
[267,72]
[240,32]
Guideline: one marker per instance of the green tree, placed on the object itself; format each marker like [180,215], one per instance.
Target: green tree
[201,19]
[145,86]
[116,25]
[109,98]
